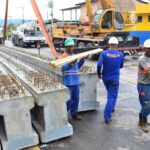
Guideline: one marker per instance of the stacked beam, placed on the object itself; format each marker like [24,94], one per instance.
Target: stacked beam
[16,130]
[49,116]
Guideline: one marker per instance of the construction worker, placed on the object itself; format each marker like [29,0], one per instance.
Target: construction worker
[71,79]
[108,67]
[144,86]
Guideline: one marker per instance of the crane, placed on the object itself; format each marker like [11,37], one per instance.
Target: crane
[104,20]
[106,4]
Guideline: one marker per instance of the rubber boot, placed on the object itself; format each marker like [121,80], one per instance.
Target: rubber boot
[144,125]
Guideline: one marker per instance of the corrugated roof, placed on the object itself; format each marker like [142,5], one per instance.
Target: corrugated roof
[70,8]
[84,2]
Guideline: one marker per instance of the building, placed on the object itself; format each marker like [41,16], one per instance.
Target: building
[121,5]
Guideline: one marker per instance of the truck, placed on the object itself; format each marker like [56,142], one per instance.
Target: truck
[1,35]
[27,35]
[103,24]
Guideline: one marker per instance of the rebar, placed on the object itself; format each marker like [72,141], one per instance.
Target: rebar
[87,69]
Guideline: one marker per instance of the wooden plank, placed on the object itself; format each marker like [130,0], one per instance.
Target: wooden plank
[33,148]
[60,62]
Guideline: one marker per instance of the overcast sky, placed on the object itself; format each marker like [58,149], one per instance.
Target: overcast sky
[16,12]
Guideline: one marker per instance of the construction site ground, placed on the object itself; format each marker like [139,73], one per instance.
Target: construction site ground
[92,133]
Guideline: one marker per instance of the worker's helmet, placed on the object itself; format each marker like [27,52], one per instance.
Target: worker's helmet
[113,40]
[147,43]
[69,42]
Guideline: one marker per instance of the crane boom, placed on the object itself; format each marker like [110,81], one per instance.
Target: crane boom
[89,11]
[106,4]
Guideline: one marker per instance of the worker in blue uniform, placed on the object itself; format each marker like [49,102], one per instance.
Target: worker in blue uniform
[70,74]
[108,68]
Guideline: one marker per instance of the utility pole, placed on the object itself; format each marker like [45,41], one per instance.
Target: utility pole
[51,6]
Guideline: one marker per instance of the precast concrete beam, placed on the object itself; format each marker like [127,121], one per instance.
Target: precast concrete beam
[16,130]
[50,113]
[34,62]
[88,92]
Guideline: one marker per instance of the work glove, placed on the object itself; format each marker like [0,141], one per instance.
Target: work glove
[73,63]
[99,74]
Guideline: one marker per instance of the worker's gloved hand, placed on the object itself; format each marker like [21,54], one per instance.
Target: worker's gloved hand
[72,63]
[99,74]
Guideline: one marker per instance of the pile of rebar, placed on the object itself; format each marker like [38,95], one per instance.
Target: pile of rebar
[10,87]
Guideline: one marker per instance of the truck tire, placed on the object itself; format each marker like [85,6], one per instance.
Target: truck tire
[90,45]
[21,43]
[81,44]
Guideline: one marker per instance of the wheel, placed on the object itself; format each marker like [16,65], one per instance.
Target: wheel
[81,44]
[21,43]
[89,45]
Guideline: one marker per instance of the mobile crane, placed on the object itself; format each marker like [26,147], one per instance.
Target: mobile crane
[104,23]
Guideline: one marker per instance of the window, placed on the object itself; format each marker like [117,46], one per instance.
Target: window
[139,19]
[148,18]
[118,22]
[107,20]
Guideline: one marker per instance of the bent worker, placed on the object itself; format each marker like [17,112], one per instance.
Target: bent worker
[71,79]
[108,66]
[144,86]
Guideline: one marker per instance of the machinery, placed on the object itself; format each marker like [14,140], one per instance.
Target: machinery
[101,26]
[28,34]
[1,35]
[107,19]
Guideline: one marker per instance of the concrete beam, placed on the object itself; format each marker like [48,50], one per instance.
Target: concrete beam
[16,130]
[50,114]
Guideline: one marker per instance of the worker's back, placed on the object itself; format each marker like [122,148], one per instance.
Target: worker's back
[110,62]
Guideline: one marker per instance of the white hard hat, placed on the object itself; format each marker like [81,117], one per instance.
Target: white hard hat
[113,40]
[147,43]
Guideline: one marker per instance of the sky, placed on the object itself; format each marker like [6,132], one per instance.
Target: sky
[16,10]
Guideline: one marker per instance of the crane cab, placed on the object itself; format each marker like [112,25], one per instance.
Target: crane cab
[105,21]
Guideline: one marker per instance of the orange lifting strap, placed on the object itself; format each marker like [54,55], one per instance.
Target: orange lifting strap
[5,22]
[42,25]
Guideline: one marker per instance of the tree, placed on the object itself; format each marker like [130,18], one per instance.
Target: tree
[10,28]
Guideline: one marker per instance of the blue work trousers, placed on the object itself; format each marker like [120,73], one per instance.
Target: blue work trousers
[112,94]
[144,98]
[72,104]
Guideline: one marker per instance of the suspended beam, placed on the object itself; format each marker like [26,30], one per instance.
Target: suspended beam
[5,22]
[42,25]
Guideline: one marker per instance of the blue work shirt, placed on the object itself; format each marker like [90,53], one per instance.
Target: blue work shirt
[109,63]
[71,73]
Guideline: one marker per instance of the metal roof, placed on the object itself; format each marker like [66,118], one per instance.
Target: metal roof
[70,8]
[84,2]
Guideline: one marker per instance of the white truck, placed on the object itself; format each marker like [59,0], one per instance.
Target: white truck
[28,34]
[1,35]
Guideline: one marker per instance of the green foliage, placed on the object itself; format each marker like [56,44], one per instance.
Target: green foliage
[50,4]
[10,28]
[54,20]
